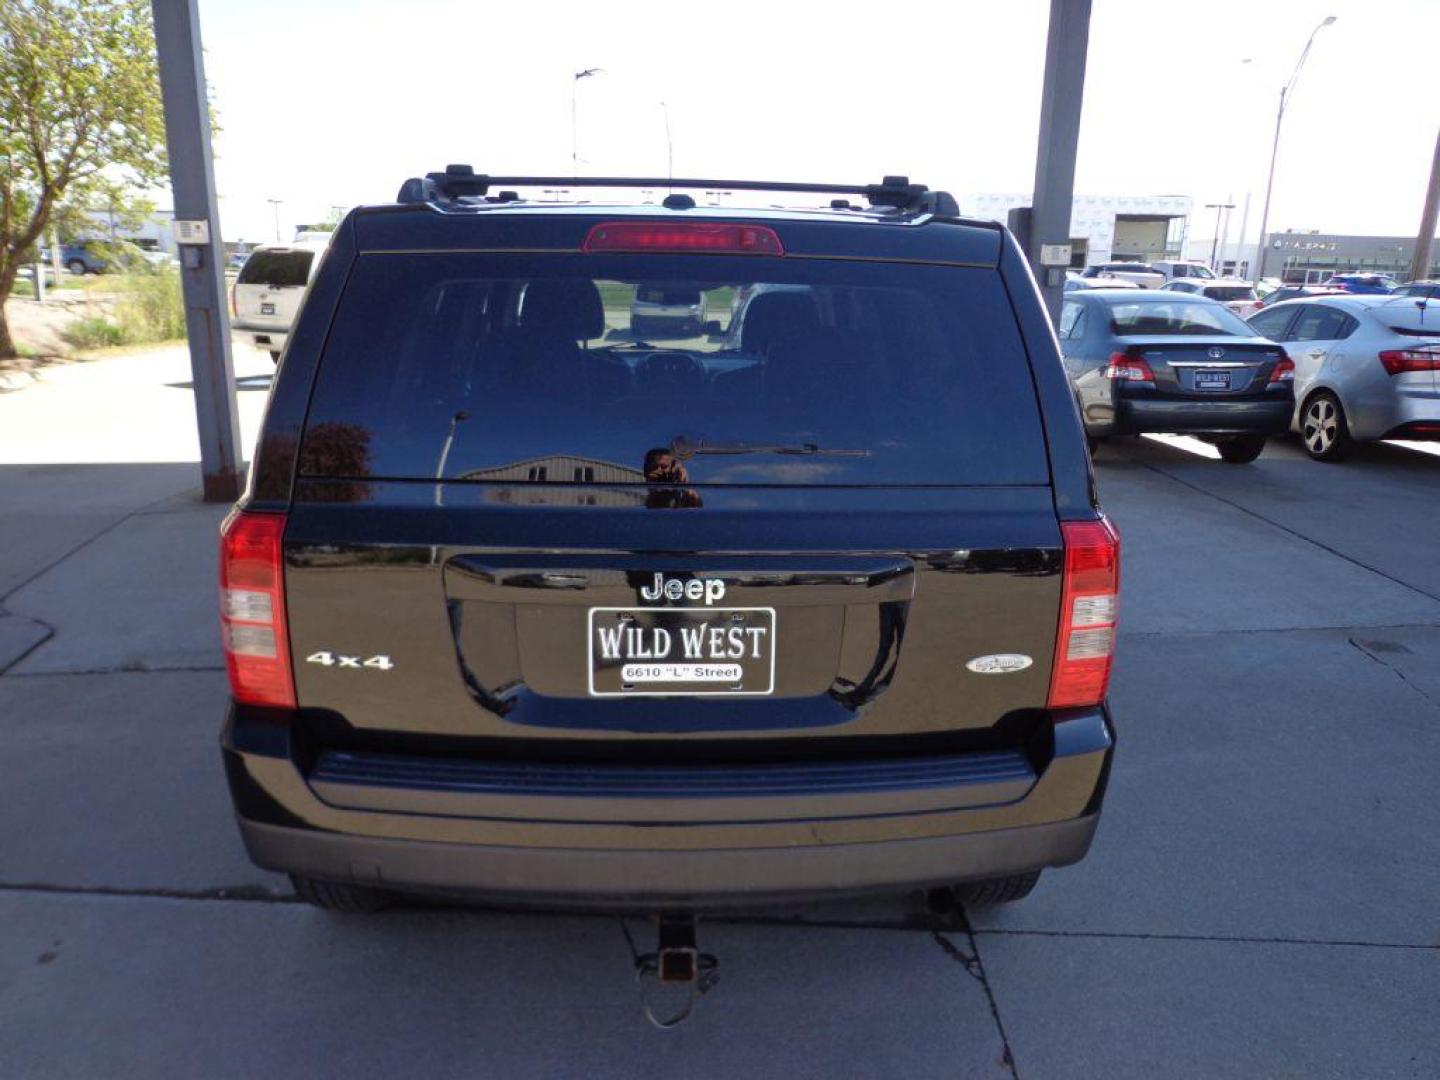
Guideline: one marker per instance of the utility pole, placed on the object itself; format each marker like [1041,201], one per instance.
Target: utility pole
[202,255]
[1425,241]
[275,207]
[1066,45]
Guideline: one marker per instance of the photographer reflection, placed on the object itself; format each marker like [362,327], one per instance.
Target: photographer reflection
[664,467]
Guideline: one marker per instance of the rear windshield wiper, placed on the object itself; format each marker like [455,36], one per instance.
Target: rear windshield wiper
[683,448]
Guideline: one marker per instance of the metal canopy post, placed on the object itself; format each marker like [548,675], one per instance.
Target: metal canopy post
[1065,49]
[202,255]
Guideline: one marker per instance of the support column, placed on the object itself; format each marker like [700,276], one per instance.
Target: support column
[1065,50]
[202,262]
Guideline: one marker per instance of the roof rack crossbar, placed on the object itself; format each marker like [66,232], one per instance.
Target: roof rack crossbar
[461,181]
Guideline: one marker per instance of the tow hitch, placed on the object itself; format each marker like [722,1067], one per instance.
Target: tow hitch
[676,962]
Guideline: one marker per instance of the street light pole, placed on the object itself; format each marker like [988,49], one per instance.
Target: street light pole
[574,117]
[1285,90]
[275,206]
[1215,241]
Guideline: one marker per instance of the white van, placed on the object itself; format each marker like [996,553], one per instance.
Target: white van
[266,296]
[1176,269]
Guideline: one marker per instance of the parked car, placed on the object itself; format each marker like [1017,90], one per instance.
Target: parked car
[519,608]
[665,311]
[1075,281]
[104,256]
[1366,367]
[1237,295]
[83,257]
[1176,269]
[1155,361]
[236,260]
[1363,284]
[1428,289]
[1142,274]
[268,290]
[1290,292]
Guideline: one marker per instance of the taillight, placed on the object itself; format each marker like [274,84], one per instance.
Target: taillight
[1089,602]
[693,236]
[1398,361]
[252,610]
[1124,366]
[1283,371]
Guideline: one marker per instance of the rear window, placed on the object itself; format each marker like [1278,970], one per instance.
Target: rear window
[520,368]
[1163,317]
[1230,292]
[276,268]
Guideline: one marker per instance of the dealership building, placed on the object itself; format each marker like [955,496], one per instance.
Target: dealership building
[1314,256]
[1107,227]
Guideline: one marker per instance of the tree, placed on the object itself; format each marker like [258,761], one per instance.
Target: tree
[80,116]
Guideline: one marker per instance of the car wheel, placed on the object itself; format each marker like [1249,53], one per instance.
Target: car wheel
[335,896]
[1001,890]
[275,355]
[1242,449]
[76,267]
[1323,429]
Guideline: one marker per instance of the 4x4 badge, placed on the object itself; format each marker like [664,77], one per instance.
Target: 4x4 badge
[999,663]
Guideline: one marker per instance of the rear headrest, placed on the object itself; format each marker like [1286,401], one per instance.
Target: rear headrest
[772,317]
[564,307]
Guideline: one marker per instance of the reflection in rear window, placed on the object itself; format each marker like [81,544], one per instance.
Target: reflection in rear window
[277,268]
[514,368]
[1175,317]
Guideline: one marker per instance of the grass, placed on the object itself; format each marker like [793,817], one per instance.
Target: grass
[148,308]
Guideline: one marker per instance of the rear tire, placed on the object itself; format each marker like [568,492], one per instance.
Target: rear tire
[1242,449]
[76,267]
[336,896]
[1324,432]
[1001,890]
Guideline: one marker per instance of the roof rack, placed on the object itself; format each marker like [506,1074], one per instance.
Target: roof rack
[462,182]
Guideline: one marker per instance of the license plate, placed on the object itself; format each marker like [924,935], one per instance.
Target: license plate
[267,309]
[1212,380]
[655,652]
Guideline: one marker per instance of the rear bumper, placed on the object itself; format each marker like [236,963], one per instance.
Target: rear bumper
[550,849]
[1135,416]
[262,336]
[640,879]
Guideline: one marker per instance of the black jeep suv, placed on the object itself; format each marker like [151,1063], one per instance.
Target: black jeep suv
[524,604]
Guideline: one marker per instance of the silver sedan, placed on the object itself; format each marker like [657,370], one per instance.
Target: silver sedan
[1366,367]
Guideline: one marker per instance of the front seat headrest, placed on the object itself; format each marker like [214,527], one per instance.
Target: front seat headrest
[563,307]
[772,317]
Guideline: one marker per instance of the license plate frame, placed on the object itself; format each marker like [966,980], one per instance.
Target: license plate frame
[611,676]
[1212,379]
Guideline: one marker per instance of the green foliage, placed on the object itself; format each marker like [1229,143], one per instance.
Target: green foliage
[149,308]
[93,332]
[80,116]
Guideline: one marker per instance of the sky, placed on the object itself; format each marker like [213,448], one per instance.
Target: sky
[330,103]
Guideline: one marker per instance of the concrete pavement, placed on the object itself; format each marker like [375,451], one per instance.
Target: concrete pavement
[1260,900]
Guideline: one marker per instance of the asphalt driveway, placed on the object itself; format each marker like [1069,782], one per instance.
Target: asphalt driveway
[1261,899]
